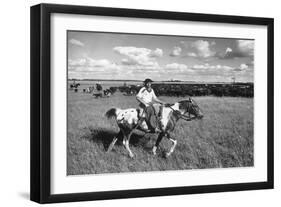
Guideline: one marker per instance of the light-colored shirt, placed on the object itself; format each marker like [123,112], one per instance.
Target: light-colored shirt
[146,96]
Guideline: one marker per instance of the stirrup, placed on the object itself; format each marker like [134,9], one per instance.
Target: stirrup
[155,130]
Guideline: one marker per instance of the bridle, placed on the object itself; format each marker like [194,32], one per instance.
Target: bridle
[183,116]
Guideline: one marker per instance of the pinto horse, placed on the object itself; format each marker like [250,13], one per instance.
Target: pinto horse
[130,119]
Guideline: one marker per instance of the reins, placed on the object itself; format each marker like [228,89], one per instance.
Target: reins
[183,116]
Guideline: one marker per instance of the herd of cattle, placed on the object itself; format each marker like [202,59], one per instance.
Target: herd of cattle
[96,91]
[162,89]
[231,89]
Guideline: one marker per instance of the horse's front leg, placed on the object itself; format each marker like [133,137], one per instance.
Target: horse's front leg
[126,141]
[174,141]
[159,138]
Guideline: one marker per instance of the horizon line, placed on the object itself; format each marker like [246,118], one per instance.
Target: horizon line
[135,80]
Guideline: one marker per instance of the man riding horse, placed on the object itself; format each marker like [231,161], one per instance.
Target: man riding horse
[150,106]
[130,119]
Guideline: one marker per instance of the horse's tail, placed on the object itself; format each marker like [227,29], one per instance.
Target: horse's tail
[111,113]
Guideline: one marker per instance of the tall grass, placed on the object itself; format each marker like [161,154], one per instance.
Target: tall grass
[223,138]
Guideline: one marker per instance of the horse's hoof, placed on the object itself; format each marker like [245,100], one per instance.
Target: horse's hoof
[109,149]
[166,155]
[154,150]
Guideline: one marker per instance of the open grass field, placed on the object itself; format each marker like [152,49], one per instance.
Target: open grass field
[223,138]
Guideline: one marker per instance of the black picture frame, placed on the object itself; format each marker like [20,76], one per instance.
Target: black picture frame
[40,184]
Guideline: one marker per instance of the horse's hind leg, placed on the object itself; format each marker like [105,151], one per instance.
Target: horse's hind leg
[114,141]
[174,141]
[112,144]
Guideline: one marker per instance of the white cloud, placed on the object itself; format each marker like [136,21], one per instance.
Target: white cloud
[213,72]
[91,65]
[202,49]
[199,48]
[99,63]
[77,62]
[241,68]
[246,47]
[176,67]
[242,48]
[139,56]
[155,68]
[200,67]
[76,42]
[191,54]
[228,50]
[157,53]
[176,52]
[125,61]
[209,67]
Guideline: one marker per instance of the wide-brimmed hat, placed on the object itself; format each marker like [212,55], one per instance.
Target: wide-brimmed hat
[148,80]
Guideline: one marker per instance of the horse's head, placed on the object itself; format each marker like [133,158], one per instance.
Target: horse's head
[191,107]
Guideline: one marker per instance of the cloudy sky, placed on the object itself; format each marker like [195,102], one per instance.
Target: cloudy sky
[95,55]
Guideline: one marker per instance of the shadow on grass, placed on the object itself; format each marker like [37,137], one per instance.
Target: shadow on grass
[105,137]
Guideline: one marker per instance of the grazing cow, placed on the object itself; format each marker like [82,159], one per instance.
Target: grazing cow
[97,95]
[113,89]
[131,92]
[75,85]
[130,119]
[89,89]
[107,93]
[98,87]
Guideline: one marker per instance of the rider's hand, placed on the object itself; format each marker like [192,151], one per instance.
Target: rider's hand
[167,104]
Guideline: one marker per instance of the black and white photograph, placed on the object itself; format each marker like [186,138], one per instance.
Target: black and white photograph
[140,103]
[152,102]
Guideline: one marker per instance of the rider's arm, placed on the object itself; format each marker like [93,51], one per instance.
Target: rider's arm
[155,99]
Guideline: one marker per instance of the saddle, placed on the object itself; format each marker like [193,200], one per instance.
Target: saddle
[157,109]
[152,116]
